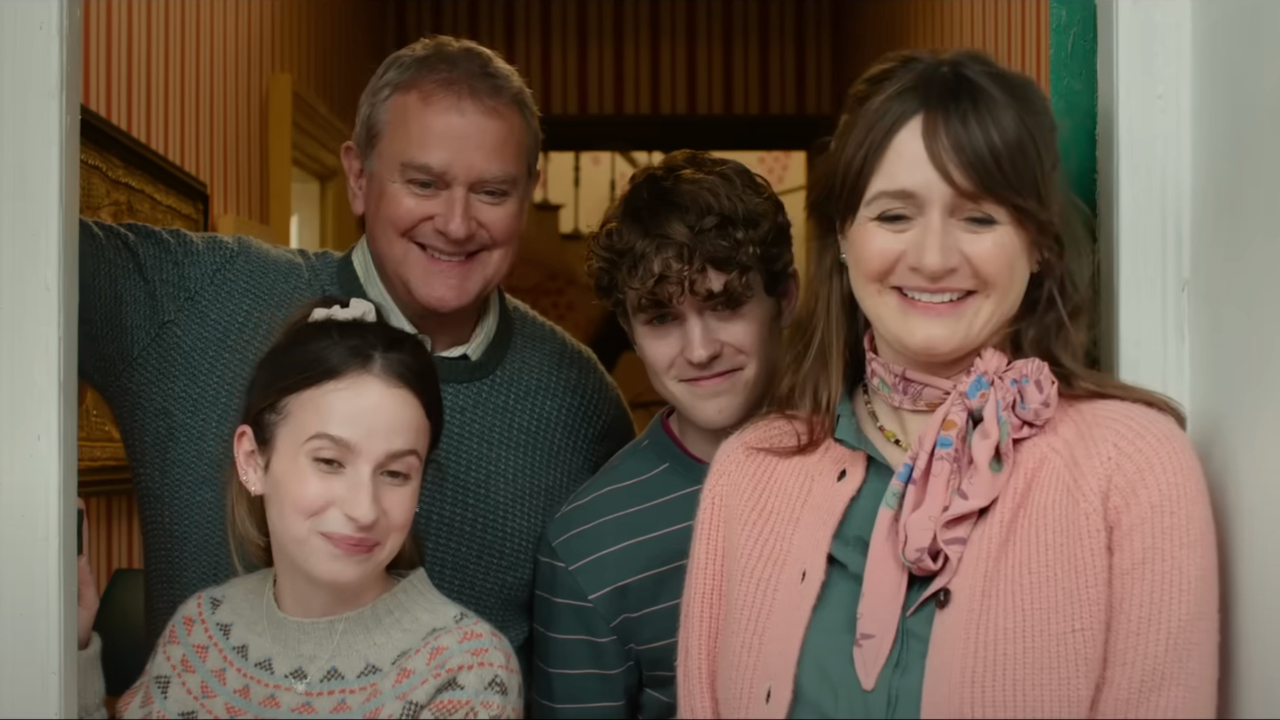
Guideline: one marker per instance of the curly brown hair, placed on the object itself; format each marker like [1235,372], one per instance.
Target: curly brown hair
[690,213]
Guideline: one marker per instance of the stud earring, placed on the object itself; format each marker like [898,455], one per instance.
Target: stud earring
[843,260]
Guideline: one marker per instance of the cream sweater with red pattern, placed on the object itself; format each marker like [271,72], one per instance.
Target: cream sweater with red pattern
[230,652]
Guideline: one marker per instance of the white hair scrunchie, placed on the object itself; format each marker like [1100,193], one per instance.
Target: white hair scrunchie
[359,311]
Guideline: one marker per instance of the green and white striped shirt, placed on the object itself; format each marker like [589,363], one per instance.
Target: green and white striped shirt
[610,574]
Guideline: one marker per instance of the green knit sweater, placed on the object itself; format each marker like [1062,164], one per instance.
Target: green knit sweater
[171,324]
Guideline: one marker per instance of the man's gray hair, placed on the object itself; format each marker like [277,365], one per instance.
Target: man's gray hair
[461,68]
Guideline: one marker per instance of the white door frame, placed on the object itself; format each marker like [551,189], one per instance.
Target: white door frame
[1145,190]
[40,50]
[1144,184]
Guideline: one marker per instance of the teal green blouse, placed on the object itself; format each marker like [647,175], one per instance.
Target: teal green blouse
[826,684]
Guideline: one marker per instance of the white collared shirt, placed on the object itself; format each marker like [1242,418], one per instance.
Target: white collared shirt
[486,328]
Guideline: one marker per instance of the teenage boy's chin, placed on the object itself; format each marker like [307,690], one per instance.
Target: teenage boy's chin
[725,416]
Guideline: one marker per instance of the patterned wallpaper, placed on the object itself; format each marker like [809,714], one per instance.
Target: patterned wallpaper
[1014,32]
[189,78]
[653,56]
[584,57]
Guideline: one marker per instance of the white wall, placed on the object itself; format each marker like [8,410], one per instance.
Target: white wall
[39,190]
[1235,324]
[1189,214]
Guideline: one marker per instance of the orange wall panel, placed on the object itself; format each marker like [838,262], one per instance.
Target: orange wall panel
[696,57]
[115,537]
[189,78]
[1014,32]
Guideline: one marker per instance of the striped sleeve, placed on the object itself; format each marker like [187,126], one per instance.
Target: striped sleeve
[581,668]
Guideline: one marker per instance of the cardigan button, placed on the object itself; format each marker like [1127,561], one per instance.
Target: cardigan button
[943,598]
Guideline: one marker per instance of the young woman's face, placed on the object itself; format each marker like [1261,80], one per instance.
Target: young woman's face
[341,482]
[938,275]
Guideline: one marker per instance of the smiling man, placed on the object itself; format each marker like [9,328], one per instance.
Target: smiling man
[695,258]
[442,167]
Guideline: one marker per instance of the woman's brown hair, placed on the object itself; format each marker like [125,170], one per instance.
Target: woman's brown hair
[990,133]
[306,355]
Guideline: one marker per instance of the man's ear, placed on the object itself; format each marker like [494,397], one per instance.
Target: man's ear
[353,166]
[250,464]
[790,298]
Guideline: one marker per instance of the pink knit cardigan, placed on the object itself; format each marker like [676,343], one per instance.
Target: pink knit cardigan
[1088,589]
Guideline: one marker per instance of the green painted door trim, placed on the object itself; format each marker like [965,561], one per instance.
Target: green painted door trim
[1073,92]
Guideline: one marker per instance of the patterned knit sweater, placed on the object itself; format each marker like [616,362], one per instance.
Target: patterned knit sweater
[171,325]
[230,652]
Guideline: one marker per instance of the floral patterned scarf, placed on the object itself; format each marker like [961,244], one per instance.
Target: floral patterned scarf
[954,470]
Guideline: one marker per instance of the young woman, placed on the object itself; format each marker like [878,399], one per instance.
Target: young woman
[949,514]
[341,416]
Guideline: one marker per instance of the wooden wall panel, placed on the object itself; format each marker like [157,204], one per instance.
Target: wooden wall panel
[189,78]
[1014,32]
[695,57]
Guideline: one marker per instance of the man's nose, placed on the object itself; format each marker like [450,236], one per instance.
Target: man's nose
[456,222]
[701,345]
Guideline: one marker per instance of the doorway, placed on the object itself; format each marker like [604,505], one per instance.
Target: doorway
[305,218]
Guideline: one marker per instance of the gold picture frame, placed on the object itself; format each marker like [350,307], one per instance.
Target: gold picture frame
[124,180]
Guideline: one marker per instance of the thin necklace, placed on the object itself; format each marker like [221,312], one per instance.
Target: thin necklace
[889,435]
[299,686]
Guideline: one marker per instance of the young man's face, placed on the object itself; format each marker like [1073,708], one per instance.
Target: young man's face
[713,362]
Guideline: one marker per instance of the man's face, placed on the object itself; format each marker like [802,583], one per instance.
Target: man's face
[444,199]
[713,361]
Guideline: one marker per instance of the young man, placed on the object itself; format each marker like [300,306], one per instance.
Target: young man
[442,167]
[696,260]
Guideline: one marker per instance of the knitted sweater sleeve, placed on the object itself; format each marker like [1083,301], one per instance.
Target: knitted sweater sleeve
[702,606]
[134,280]
[1162,645]
[615,432]
[92,685]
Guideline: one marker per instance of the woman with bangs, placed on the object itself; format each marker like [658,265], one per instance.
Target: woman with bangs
[946,511]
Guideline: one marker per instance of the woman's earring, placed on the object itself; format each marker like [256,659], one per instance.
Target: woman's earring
[843,260]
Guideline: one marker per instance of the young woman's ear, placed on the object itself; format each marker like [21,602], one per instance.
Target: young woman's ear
[249,461]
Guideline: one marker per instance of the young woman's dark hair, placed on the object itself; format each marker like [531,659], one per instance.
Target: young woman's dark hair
[307,354]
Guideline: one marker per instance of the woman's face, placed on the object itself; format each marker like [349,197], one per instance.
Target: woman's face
[938,276]
[341,482]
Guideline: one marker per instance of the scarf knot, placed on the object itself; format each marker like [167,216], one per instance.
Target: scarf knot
[954,470]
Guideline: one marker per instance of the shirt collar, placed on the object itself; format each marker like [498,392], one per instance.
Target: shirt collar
[849,433]
[481,337]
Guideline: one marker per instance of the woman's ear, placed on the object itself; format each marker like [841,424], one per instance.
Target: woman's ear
[250,465]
